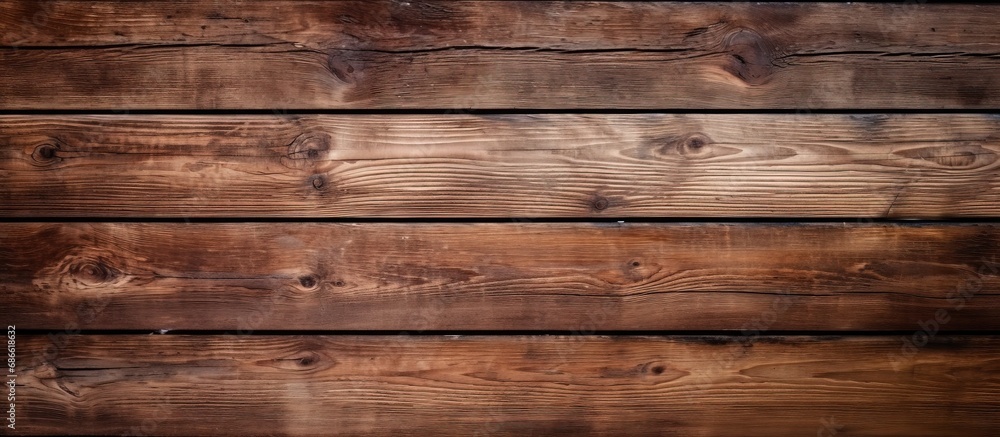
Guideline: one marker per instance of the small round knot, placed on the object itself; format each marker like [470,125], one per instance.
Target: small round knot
[600,203]
[45,153]
[308,281]
[694,145]
[318,182]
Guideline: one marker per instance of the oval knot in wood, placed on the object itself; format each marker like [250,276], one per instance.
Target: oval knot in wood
[310,146]
[967,156]
[308,281]
[84,271]
[695,145]
[345,66]
[749,56]
[93,272]
[45,154]
[306,360]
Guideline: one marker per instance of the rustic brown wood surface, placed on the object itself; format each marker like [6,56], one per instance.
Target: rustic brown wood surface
[520,385]
[640,165]
[487,54]
[581,277]
[284,218]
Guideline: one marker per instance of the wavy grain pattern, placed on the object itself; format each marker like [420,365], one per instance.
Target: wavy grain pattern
[507,385]
[565,277]
[648,165]
[471,54]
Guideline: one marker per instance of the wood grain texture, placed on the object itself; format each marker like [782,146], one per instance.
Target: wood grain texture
[579,277]
[536,385]
[468,54]
[646,165]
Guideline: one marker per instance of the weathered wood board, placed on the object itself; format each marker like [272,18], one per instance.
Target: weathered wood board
[507,385]
[527,166]
[507,276]
[428,217]
[496,54]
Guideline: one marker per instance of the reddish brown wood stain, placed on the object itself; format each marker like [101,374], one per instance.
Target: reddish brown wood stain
[509,385]
[322,200]
[437,54]
[530,166]
[274,276]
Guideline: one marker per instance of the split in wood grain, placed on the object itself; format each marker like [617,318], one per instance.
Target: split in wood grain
[469,54]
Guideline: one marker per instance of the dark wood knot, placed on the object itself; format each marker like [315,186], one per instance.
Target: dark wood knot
[692,146]
[308,281]
[749,56]
[599,203]
[318,181]
[345,66]
[311,146]
[304,360]
[45,154]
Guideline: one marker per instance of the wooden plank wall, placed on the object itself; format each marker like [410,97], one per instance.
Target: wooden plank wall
[420,217]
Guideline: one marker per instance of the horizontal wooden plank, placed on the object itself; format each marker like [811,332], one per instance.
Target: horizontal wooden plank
[485,54]
[683,386]
[514,276]
[648,165]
